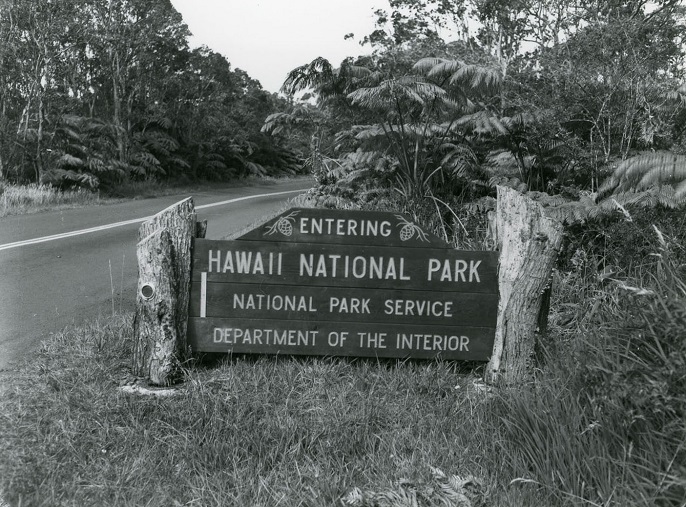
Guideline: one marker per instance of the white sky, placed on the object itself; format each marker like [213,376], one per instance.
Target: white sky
[268,38]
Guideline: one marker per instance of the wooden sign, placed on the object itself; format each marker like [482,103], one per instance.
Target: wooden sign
[347,283]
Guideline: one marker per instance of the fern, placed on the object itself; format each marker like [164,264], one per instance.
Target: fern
[216,165]
[387,93]
[57,176]
[648,170]
[484,79]
[256,169]
[67,160]
[96,165]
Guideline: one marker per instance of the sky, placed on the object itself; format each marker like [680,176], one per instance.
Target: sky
[269,38]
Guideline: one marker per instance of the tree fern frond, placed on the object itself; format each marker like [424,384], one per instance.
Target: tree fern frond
[214,156]
[375,78]
[179,162]
[161,122]
[72,120]
[71,133]
[354,71]
[478,77]
[158,142]
[426,65]
[307,76]
[483,122]
[504,181]
[97,165]
[256,169]
[145,159]
[356,175]
[370,132]
[446,68]
[518,120]
[67,160]
[680,190]
[215,164]
[644,171]
[365,158]
[386,93]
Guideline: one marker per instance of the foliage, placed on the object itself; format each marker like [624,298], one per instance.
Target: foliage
[585,84]
[96,94]
[649,170]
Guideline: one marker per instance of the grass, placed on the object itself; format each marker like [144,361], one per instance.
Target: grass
[33,198]
[602,424]
[20,199]
[249,431]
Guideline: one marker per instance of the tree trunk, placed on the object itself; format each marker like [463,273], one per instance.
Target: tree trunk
[529,243]
[162,306]
[156,334]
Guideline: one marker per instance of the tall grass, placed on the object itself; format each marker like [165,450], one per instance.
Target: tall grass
[605,422]
[18,199]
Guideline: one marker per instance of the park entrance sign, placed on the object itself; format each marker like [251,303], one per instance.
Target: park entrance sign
[342,283]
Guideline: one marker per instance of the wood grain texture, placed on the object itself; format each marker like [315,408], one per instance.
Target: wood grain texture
[529,243]
[444,270]
[156,334]
[338,304]
[180,222]
[344,227]
[321,338]
[161,320]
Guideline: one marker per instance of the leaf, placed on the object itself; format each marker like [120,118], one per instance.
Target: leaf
[215,164]
[256,169]
[646,170]
[67,160]
[478,77]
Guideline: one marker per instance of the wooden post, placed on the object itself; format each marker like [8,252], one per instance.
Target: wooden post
[164,266]
[529,243]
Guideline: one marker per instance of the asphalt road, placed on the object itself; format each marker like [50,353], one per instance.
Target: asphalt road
[53,274]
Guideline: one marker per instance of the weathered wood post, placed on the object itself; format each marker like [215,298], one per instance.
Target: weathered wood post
[164,266]
[529,243]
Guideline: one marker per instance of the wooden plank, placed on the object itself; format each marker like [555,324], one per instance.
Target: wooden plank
[320,338]
[346,266]
[268,301]
[350,227]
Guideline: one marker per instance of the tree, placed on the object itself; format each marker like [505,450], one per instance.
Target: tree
[95,93]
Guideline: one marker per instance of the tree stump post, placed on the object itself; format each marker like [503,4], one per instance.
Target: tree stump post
[164,267]
[529,243]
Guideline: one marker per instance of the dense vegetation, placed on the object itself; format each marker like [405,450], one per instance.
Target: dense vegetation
[96,94]
[544,96]
[581,105]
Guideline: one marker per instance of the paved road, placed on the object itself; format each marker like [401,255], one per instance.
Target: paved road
[52,274]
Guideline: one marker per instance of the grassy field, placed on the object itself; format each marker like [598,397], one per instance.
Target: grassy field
[603,423]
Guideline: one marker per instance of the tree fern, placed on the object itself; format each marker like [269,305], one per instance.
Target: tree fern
[483,79]
[648,170]
[256,169]
[387,93]
[321,77]
[67,160]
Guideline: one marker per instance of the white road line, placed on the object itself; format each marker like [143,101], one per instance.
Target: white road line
[63,235]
